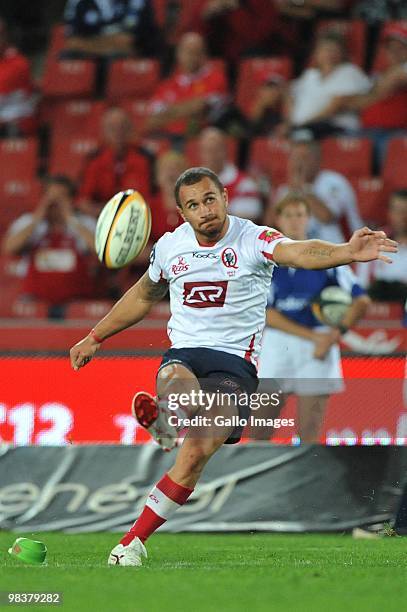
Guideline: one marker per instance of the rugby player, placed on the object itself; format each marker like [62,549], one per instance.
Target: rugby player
[218,269]
[297,349]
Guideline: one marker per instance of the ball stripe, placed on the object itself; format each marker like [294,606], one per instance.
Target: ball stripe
[122,200]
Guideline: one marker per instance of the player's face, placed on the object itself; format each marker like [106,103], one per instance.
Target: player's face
[204,206]
[293,221]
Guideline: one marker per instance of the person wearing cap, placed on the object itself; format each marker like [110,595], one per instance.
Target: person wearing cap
[313,97]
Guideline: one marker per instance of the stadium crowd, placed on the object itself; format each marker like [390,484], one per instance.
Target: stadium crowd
[275,96]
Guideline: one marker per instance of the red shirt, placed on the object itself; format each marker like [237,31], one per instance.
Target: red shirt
[391,112]
[209,83]
[58,270]
[163,218]
[16,90]
[105,174]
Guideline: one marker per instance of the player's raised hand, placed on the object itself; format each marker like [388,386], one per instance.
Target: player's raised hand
[82,352]
[368,245]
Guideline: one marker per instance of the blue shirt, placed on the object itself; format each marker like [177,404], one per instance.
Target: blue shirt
[293,290]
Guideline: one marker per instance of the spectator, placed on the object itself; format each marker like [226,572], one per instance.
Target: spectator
[389,283]
[233,27]
[194,95]
[313,101]
[330,195]
[110,28]
[384,108]
[266,112]
[165,217]
[17,99]
[117,165]
[57,242]
[243,194]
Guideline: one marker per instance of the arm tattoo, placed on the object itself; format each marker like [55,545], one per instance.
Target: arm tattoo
[152,292]
[319,252]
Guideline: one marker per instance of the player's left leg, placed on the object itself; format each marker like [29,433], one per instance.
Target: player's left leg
[173,490]
[311,411]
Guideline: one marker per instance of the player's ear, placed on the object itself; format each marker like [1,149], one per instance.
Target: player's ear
[180,212]
[226,197]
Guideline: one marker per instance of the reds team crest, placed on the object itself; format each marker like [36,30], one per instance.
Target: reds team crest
[229,258]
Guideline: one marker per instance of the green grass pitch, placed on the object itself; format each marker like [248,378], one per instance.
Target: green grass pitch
[210,572]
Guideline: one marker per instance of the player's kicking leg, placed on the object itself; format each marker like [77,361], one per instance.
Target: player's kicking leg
[173,490]
[153,412]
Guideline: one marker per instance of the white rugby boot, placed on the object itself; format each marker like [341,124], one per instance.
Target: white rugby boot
[153,416]
[128,555]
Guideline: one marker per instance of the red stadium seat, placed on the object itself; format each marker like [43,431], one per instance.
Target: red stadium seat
[160,12]
[88,309]
[269,157]
[372,200]
[56,40]
[76,118]
[394,169]
[68,156]
[254,72]
[138,111]
[192,150]
[354,33]
[349,156]
[18,159]
[135,78]
[69,78]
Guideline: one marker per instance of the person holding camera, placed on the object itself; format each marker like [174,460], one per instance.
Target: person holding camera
[56,242]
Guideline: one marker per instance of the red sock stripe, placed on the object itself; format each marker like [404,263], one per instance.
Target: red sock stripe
[146,524]
[174,491]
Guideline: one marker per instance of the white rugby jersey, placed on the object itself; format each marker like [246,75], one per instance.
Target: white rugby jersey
[218,293]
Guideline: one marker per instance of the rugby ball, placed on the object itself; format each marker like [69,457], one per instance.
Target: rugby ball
[331,305]
[123,229]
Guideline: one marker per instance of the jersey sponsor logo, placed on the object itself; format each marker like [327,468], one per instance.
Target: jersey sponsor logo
[180,266]
[229,258]
[199,255]
[205,294]
[270,235]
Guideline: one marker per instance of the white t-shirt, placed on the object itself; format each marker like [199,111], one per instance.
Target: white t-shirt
[379,270]
[218,294]
[338,195]
[312,93]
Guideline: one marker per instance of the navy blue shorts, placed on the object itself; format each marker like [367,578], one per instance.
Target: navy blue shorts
[221,368]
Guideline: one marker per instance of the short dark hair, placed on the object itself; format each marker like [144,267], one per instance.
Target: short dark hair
[193,176]
[61,179]
[336,37]
[399,193]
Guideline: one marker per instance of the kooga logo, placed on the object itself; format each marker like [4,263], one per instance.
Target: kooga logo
[205,294]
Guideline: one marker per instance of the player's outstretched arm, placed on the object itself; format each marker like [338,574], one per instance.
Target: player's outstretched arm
[130,309]
[365,245]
